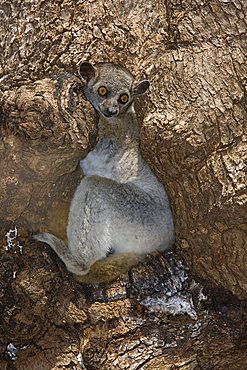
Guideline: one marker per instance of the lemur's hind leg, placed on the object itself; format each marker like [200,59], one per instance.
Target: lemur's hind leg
[73,264]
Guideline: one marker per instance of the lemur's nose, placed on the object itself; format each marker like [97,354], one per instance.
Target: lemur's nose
[110,112]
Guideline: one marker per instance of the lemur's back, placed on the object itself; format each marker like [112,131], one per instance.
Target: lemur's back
[120,206]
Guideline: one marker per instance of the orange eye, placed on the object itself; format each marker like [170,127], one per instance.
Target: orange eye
[124,98]
[102,90]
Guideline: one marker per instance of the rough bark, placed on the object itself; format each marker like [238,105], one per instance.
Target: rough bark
[45,130]
[193,136]
[153,318]
[199,142]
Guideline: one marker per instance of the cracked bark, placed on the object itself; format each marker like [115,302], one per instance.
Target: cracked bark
[193,136]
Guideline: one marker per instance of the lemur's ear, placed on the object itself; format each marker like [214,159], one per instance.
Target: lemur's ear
[86,71]
[141,87]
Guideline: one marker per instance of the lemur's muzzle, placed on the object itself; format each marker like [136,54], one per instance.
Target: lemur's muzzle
[110,113]
[109,108]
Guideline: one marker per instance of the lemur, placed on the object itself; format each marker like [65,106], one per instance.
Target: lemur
[119,206]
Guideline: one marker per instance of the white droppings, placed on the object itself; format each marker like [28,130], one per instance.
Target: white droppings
[177,304]
[12,240]
[14,274]
[80,361]
[202,296]
[196,329]
[174,298]
[12,351]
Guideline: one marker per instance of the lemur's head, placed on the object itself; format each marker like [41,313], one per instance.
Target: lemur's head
[110,88]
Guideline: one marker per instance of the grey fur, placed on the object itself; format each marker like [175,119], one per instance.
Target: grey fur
[119,205]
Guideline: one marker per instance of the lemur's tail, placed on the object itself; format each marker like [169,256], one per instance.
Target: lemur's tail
[75,266]
[57,244]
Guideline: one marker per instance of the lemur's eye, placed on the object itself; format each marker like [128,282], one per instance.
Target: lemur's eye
[123,98]
[102,90]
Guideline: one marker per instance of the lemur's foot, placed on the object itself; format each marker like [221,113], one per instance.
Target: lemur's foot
[110,268]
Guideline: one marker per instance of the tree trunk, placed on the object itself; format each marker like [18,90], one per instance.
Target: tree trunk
[46,129]
[193,136]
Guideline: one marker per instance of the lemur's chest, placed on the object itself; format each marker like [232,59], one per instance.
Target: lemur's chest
[111,160]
